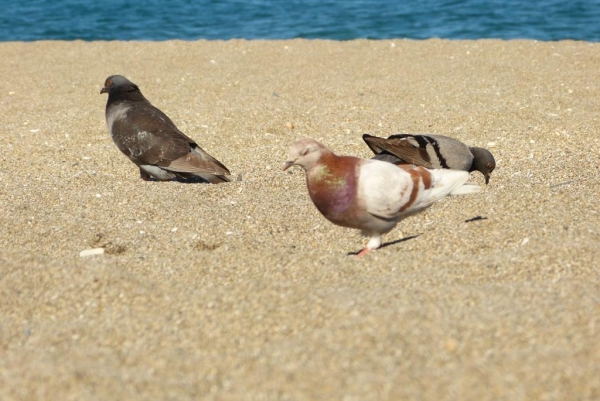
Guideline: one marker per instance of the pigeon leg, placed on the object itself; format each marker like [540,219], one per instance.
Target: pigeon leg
[374,243]
[361,253]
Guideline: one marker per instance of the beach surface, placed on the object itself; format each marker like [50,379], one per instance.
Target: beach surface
[243,290]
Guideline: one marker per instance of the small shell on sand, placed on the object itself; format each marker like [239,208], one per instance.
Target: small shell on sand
[91,252]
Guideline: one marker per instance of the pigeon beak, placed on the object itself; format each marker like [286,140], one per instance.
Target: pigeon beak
[287,165]
[104,90]
[487,179]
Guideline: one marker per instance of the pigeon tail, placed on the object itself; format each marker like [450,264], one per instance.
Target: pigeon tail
[450,182]
[466,189]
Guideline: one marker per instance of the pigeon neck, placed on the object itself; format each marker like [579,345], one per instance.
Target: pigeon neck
[475,165]
[131,93]
[481,157]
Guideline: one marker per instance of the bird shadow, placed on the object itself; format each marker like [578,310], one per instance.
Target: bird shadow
[476,218]
[388,244]
[191,180]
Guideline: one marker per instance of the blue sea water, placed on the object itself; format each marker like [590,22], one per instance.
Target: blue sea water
[28,20]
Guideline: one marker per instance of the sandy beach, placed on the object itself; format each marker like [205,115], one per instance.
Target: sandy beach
[243,291]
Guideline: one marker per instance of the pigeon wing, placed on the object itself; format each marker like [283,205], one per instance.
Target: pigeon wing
[195,162]
[149,137]
[405,147]
[198,161]
[384,189]
[201,153]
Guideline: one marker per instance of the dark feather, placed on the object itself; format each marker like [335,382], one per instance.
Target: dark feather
[148,137]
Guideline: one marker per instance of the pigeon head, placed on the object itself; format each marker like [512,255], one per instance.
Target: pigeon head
[118,83]
[305,153]
[484,162]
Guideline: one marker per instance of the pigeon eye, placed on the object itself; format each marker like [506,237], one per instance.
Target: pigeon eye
[108,82]
[490,166]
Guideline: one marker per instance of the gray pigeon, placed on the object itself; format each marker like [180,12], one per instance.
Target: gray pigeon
[431,151]
[149,138]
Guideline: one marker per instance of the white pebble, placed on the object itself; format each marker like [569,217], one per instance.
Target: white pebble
[91,252]
[174,230]
[525,240]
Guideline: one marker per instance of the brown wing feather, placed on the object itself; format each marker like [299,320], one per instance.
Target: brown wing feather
[401,148]
[192,163]
[208,158]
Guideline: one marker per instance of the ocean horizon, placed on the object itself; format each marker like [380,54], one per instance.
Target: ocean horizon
[545,20]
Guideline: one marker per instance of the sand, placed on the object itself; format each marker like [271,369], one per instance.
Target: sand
[243,290]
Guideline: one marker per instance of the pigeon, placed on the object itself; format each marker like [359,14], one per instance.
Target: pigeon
[151,140]
[371,195]
[432,151]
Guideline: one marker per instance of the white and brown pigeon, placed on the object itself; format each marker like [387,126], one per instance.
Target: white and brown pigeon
[371,195]
[431,151]
[151,140]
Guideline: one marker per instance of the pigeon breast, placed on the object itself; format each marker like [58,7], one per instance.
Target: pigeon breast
[332,187]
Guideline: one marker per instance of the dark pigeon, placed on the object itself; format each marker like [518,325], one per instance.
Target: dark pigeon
[431,151]
[151,140]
